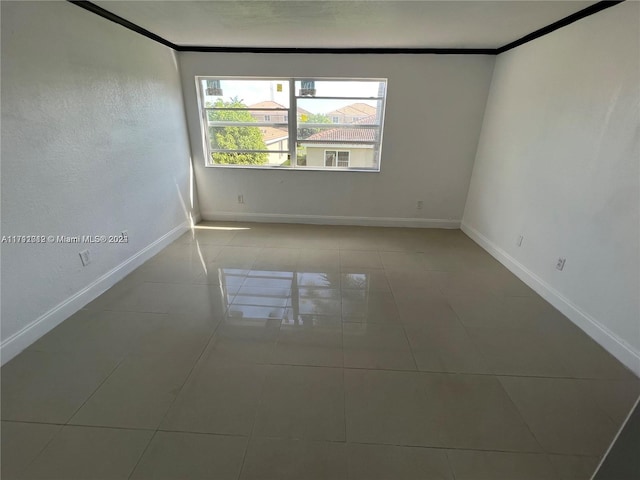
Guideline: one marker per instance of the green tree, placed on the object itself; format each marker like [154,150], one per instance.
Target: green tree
[235,138]
[306,132]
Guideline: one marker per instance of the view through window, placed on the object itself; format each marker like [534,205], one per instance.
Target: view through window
[326,124]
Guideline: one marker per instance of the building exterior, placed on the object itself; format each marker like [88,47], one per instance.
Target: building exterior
[335,148]
[274,116]
[351,113]
[347,147]
[276,139]
[267,116]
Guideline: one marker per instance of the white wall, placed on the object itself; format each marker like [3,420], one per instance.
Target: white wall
[434,110]
[93,142]
[558,162]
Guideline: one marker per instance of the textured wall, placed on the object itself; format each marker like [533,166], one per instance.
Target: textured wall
[558,162]
[93,142]
[433,116]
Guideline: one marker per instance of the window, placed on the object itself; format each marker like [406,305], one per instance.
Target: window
[311,124]
[336,158]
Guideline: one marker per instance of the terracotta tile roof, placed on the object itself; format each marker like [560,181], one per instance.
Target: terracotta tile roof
[267,104]
[271,133]
[349,134]
[271,104]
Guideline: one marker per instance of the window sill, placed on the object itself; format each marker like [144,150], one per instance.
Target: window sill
[297,169]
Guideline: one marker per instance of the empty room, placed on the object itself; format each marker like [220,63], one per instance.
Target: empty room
[320,240]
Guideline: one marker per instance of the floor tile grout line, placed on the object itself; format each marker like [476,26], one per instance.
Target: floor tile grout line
[354,442]
[41,450]
[344,398]
[627,414]
[122,359]
[142,454]
[109,427]
[255,419]
[466,332]
[441,372]
[451,469]
[155,432]
[191,370]
[199,432]
[404,331]
[520,414]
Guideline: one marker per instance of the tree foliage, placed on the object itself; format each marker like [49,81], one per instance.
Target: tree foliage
[306,132]
[235,138]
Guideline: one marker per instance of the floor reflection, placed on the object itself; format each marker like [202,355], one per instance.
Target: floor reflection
[290,296]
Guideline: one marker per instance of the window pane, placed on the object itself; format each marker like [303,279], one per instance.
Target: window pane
[355,156]
[319,110]
[246,122]
[248,138]
[329,159]
[247,93]
[343,88]
[334,134]
[247,116]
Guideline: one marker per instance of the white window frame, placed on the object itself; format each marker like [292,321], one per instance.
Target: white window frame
[337,152]
[292,122]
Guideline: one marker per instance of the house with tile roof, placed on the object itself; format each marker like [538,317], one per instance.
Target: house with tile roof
[351,113]
[343,147]
[276,139]
[276,116]
[340,147]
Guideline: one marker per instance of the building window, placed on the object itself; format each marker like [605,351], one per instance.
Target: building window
[293,123]
[343,159]
[336,158]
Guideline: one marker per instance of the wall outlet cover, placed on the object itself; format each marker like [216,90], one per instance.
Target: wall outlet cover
[85,258]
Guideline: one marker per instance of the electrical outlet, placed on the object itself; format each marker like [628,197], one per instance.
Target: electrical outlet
[85,258]
[240,198]
[519,240]
[560,263]
[419,205]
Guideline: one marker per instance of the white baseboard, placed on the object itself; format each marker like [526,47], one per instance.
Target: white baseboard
[601,334]
[330,220]
[17,342]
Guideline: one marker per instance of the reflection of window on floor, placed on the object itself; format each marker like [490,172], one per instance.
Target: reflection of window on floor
[230,279]
[262,295]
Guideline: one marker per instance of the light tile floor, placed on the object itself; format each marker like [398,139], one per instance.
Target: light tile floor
[257,351]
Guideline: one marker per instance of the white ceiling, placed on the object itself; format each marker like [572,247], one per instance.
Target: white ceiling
[343,24]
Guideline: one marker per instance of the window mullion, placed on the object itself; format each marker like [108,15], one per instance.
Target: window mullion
[293,123]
